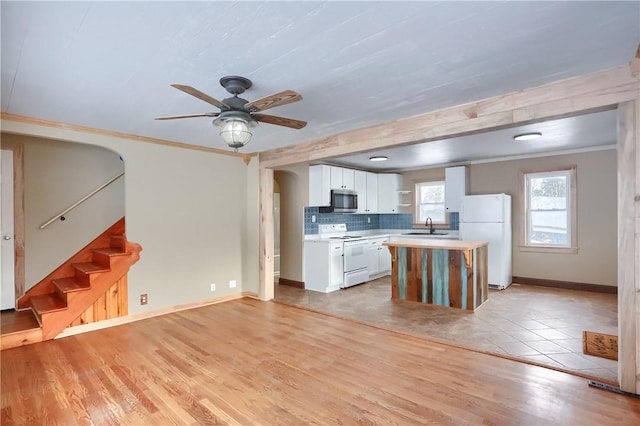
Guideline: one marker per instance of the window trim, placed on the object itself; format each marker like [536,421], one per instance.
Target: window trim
[416,209]
[573,231]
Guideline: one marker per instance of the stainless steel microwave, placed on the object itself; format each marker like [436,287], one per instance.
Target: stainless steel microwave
[342,201]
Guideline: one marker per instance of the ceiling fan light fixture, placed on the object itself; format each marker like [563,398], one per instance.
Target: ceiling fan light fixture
[235,133]
[236,115]
[379,158]
[235,128]
[529,136]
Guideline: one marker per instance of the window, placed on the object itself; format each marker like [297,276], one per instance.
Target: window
[430,202]
[550,209]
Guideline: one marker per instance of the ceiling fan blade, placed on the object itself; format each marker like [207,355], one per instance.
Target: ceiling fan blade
[173,117]
[280,121]
[271,101]
[202,96]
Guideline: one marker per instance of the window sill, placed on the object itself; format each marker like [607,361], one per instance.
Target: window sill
[548,249]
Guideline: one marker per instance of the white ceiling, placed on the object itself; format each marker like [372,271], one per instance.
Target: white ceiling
[108,65]
[586,132]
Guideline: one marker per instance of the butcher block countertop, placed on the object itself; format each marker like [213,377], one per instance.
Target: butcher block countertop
[429,243]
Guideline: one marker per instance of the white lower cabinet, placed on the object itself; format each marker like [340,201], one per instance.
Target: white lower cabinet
[379,257]
[323,265]
[385,259]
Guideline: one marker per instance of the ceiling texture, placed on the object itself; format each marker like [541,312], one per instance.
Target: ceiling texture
[109,66]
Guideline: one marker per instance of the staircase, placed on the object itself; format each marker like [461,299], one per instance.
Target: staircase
[63,296]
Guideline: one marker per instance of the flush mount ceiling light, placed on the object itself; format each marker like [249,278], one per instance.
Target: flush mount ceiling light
[378,158]
[527,136]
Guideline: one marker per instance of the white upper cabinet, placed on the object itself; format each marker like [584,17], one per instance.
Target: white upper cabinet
[360,180]
[377,193]
[456,183]
[372,192]
[322,179]
[366,185]
[388,187]
[319,185]
[342,178]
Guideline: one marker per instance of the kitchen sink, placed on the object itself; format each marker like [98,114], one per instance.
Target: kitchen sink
[426,233]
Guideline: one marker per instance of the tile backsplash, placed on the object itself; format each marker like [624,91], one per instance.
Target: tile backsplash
[355,222]
[454,221]
[364,222]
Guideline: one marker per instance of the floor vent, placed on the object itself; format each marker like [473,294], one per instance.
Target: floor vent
[600,344]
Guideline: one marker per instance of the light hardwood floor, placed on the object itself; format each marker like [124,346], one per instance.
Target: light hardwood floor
[260,363]
[540,325]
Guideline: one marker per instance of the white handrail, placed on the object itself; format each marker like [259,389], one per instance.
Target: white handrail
[82,200]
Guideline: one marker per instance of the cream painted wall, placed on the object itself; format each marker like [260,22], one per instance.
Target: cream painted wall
[409,179]
[56,175]
[294,195]
[596,260]
[189,211]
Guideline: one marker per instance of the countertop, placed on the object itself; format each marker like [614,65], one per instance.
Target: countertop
[392,233]
[433,243]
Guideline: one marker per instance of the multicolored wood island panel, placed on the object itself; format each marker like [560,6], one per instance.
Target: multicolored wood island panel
[449,273]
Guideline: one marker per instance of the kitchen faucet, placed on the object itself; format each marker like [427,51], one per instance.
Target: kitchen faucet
[429,223]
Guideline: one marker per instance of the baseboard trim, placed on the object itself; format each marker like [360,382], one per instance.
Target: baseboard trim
[596,288]
[85,328]
[291,283]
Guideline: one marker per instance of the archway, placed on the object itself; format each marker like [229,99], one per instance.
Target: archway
[291,227]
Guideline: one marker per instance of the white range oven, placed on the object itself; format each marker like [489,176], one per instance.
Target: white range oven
[353,265]
[356,270]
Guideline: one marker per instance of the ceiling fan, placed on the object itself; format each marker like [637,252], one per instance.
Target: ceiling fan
[238,115]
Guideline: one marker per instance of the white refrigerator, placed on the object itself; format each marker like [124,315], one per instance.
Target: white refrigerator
[487,217]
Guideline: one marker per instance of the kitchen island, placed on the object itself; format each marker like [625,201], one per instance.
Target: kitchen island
[451,273]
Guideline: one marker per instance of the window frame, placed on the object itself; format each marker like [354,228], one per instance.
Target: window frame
[572,247]
[417,204]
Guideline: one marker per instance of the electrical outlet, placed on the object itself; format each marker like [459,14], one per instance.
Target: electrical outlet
[144,299]
[368,220]
[313,218]
[213,286]
[232,284]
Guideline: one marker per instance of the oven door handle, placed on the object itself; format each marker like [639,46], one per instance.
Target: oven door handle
[356,243]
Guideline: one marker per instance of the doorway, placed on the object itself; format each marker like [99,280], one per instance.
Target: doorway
[291,195]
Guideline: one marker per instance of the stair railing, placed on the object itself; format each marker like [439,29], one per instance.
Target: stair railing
[80,201]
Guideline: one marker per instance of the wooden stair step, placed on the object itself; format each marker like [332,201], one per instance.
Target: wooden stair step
[90,267]
[111,251]
[117,241]
[18,321]
[46,303]
[70,284]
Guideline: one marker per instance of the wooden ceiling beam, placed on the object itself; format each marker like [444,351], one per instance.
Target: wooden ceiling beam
[588,93]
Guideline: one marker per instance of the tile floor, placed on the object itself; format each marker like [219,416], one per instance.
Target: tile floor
[539,324]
